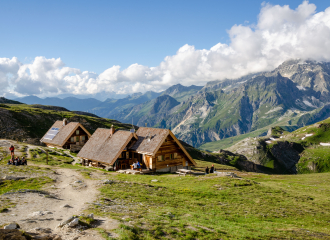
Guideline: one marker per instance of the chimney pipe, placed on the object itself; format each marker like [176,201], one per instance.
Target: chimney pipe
[112,130]
[65,121]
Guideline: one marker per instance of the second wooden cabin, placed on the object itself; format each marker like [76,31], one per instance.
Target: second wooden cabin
[66,135]
[157,149]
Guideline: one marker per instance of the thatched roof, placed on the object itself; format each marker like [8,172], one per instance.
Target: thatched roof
[64,133]
[104,147]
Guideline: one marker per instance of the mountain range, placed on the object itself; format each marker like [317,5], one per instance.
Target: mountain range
[294,94]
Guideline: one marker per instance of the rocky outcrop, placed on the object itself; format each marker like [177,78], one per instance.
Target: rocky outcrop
[239,161]
[271,155]
[286,155]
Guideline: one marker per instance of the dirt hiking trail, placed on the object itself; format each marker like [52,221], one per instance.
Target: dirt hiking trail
[72,195]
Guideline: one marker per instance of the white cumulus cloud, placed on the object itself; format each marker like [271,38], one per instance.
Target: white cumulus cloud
[281,33]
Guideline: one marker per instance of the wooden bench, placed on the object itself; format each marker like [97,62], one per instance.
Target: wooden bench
[184,172]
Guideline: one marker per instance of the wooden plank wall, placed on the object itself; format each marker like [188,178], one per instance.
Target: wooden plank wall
[81,133]
[167,148]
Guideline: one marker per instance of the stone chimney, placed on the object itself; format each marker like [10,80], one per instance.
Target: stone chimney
[112,130]
[65,121]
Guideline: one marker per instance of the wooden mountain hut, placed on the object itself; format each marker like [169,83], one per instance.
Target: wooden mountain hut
[66,135]
[156,149]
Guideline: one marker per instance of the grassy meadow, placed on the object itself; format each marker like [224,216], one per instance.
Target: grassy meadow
[168,206]
[256,206]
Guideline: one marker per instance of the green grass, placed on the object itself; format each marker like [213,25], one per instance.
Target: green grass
[31,183]
[208,207]
[54,158]
[314,159]
[201,165]
[228,142]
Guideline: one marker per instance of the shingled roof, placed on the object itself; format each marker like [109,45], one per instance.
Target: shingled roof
[104,147]
[64,133]
[151,139]
[146,146]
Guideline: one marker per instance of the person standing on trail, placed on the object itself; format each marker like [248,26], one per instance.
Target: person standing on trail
[212,169]
[207,170]
[12,149]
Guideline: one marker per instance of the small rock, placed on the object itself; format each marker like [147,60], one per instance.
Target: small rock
[91,216]
[12,178]
[74,222]
[78,181]
[11,226]
[39,213]
[107,181]
[66,206]
[43,230]
[65,222]
[154,180]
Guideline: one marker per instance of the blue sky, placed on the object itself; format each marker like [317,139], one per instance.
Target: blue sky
[51,48]
[95,35]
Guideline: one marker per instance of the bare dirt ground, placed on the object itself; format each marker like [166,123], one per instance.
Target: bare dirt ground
[73,194]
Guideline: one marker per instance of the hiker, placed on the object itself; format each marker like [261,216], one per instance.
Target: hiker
[10,162]
[23,162]
[212,169]
[135,166]
[12,149]
[207,170]
[138,165]
[17,162]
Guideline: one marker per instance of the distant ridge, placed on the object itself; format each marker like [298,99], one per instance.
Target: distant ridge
[5,100]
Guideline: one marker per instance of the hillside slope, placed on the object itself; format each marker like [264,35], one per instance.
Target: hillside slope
[28,123]
[305,150]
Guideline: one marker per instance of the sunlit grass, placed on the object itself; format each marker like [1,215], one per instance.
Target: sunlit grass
[209,207]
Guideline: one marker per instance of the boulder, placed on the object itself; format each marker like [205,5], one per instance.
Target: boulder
[65,222]
[11,226]
[73,223]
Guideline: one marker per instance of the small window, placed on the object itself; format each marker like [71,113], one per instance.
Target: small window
[175,155]
[77,132]
[127,155]
[83,138]
[165,140]
[160,158]
[77,139]
[171,156]
[72,139]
